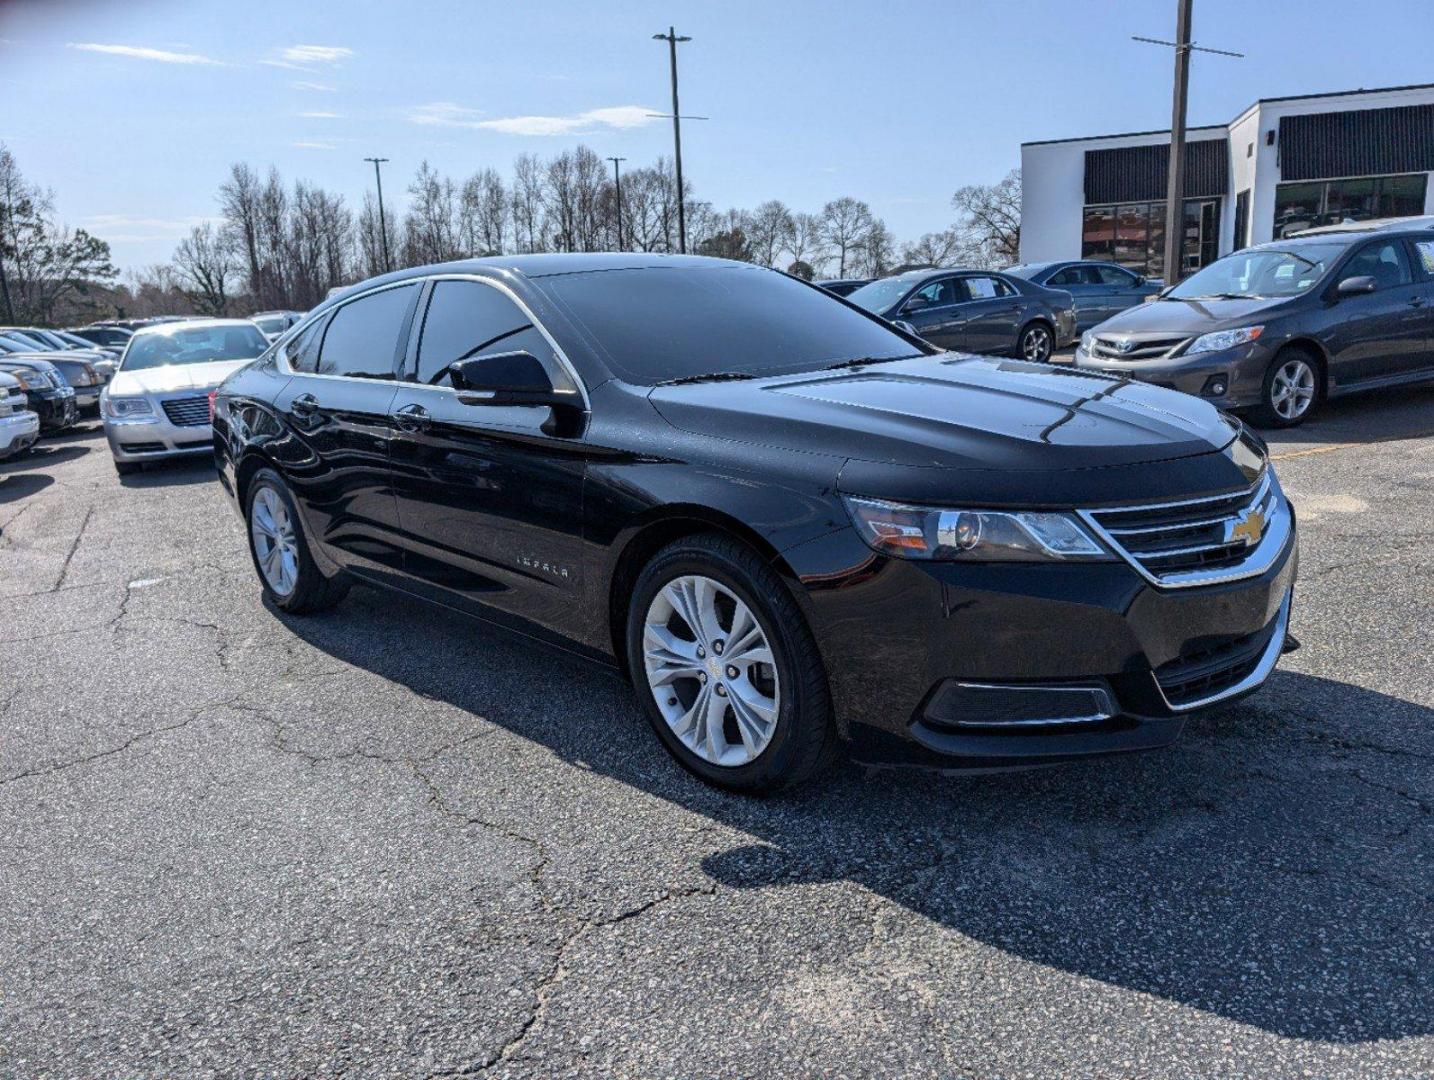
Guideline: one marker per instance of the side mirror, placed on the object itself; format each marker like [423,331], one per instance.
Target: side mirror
[515,378]
[916,303]
[1356,286]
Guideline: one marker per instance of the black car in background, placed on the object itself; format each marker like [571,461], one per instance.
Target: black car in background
[50,396]
[843,286]
[793,525]
[1099,289]
[78,370]
[979,311]
[108,337]
[1279,327]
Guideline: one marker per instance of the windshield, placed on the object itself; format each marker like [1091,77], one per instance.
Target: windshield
[659,324]
[27,341]
[1260,272]
[879,296]
[1028,271]
[270,324]
[193,345]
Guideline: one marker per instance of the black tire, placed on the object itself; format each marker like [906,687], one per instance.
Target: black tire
[804,739]
[312,591]
[1277,414]
[1042,340]
[127,468]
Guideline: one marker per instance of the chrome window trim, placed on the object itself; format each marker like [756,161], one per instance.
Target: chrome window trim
[1268,659]
[1263,556]
[281,359]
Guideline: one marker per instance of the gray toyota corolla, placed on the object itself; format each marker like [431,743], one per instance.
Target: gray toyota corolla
[1279,327]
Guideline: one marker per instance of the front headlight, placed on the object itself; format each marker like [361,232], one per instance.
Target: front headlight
[1087,341]
[28,380]
[1224,339]
[922,532]
[124,408]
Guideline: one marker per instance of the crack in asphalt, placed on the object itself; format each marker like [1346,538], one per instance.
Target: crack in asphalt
[75,547]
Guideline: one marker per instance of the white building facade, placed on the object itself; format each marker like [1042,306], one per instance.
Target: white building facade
[1281,165]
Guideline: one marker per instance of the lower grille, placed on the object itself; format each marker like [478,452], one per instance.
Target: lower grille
[142,447]
[1209,669]
[188,411]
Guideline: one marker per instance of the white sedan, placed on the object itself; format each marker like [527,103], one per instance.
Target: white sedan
[157,404]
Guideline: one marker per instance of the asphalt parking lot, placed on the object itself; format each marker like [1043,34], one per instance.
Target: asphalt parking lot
[389,841]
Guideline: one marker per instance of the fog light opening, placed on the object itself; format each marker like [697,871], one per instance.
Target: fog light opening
[1216,386]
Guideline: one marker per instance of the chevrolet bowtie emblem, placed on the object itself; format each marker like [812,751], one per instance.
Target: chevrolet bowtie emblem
[1249,527]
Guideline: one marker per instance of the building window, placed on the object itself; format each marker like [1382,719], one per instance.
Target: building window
[1242,220]
[1329,202]
[1133,235]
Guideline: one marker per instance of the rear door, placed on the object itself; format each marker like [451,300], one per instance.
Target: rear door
[1091,302]
[1424,274]
[991,314]
[1380,334]
[338,409]
[490,504]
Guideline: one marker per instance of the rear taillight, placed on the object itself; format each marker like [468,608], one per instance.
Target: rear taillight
[212,395]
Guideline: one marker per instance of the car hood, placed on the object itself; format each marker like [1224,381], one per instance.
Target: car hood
[173,378]
[1189,317]
[955,412]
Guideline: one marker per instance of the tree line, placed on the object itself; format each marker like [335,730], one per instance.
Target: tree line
[276,245]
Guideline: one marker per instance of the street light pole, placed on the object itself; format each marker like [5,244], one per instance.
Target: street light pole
[617,185]
[382,223]
[1175,175]
[672,39]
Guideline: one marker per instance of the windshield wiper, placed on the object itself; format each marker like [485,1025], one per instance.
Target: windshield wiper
[863,361]
[1214,296]
[711,376]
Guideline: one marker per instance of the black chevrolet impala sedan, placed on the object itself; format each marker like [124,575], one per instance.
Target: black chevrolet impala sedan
[794,527]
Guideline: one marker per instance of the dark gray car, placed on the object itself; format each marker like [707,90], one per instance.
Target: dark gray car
[1279,327]
[1100,289]
[978,311]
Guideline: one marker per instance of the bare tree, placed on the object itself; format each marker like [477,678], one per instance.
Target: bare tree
[945,248]
[991,219]
[768,230]
[206,268]
[807,241]
[431,231]
[526,203]
[483,213]
[875,251]
[846,221]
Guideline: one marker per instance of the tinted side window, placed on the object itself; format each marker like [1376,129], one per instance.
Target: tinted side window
[1426,255]
[1069,276]
[1114,275]
[467,319]
[985,288]
[302,352]
[1385,262]
[937,293]
[362,337]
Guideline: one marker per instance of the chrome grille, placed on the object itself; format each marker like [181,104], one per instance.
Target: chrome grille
[188,411]
[1140,349]
[1200,541]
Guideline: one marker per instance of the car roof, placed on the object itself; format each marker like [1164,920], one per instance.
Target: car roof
[189,324]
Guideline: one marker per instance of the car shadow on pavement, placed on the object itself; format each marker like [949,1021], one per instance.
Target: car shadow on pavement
[176,473]
[43,456]
[1270,868]
[1404,412]
[21,485]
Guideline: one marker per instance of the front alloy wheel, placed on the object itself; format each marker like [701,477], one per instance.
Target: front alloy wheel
[292,580]
[711,671]
[1292,390]
[275,546]
[1036,343]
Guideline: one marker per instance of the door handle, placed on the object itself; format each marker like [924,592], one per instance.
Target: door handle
[1416,301]
[304,405]
[412,417]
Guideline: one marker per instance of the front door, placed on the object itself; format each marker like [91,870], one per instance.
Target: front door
[490,504]
[933,311]
[1083,283]
[1383,333]
[338,409]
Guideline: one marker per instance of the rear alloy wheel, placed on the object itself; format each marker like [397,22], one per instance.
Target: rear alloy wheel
[292,580]
[726,668]
[1291,390]
[1036,343]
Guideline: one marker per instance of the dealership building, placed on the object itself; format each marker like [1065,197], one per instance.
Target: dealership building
[1283,164]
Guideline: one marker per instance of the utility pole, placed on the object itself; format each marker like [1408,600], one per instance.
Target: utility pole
[617,184]
[382,224]
[672,39]
[1175,177]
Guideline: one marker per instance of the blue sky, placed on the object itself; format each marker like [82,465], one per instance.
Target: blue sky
[133,110]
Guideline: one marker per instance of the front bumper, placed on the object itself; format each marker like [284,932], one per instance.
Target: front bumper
[1008,665]
[1242,370]
[18,431]
[156,438]
[55,407]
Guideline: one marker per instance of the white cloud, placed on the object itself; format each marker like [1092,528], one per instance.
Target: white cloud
[317,87]
[319,114]
[316,144]
[310,57]
[449,114]
[141,52]
[131,228]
